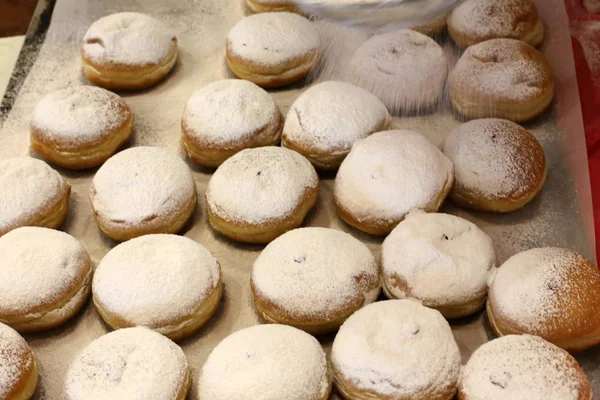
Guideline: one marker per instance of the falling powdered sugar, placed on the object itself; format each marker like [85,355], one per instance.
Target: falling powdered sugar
[16,359]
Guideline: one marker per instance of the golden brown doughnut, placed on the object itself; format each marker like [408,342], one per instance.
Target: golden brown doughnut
[476,21]
[80,127]
[433,28]
[18,367]
[548,292]
[498,165]
[503,78]
[128,51]
[261,6]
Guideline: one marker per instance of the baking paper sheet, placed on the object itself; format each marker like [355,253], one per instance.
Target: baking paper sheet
[560,216]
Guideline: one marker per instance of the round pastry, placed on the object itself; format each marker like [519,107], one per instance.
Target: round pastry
[132,363]
[31,194]
[327,119]
[266,362]
[313,279]
[433,28]
[498,165]
[441,260]
[45,278]
[167,283]
[405,69]
[80,127]
[476,21]
[593,6]
[503,78]
[142,190]
[128,51]
[227,116]
[523,367]
[261,6]
[386,176]
[18,368]
[548,292]
[273,49]
[259,194]
[396,349]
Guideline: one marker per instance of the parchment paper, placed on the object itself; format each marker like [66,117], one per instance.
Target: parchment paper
[560,216]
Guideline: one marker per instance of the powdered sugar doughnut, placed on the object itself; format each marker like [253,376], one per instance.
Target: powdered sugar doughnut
[433,28]
[498,165]
[396,349]
[313,279]
[283,187]
[31,194]
[227,116]
[127,51]
[261,6]
[386,176]
[167,283]
[503,78]
[45,278]
[523,367]
[80,127]
[476,21]
[592,6]
[441,260]
[405,69]
[18,368]
[273,49]
[327,119]
[133,363]
[266,362]
[548,292]
[140,191]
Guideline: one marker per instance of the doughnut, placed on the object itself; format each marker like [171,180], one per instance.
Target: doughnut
[227,116]
[45,278]
[503,78]
[167,283]
[593,6]
[18,368]
[80,127]
[476,21]
[327,119]
[548,292]
[259,194]
[433,28]
[31,194]
[266,362]
[128,51]
[273,49]
[405,69]
[142,190]
[314,279]
[386,176]
[396,349]
[523,367]
[132,363]
[498,165]
[261,6]
[443,261]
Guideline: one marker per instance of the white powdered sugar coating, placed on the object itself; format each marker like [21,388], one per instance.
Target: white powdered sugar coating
[539,288]
[128,38]
[38,268]
[265,362]
[522,367]
[260,185]
[315,273]
[142,184]
[397,349]
[15,359]
[79,116]
[505,69]
[27,186]
[442,259]
[133,364]
[405,69]
[155,280]
[273,38]
[227,112]
[331,116]
[495,158]
[389,174]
